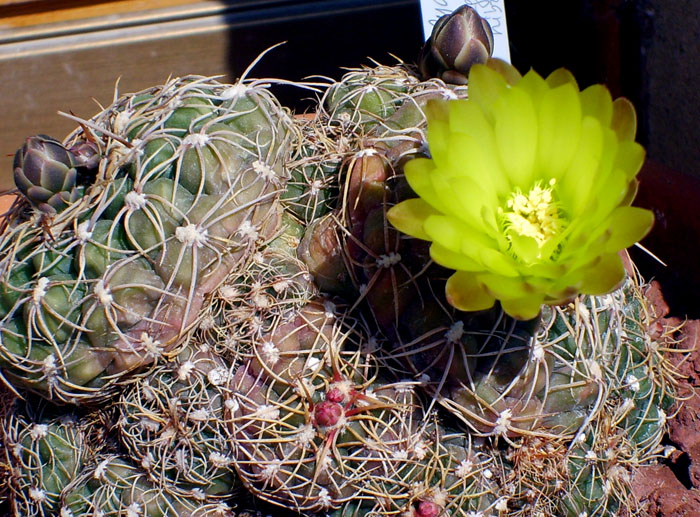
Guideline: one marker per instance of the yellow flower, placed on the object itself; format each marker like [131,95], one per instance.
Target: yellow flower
[528,191]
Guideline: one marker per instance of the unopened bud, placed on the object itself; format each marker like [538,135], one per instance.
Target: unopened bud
[458,41]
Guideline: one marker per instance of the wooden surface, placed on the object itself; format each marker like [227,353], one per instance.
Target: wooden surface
[14,14]
[5,203]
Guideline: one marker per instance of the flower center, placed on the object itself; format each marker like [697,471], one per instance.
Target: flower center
[534,214]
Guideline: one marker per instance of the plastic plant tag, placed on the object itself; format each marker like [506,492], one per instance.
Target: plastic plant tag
[492,10]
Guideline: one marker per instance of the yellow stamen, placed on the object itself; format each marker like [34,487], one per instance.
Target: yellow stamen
[534,215]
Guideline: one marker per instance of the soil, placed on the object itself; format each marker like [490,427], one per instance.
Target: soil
[672,488]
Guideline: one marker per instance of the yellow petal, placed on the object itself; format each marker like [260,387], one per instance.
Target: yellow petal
[604,276]
[466,117]
[628,225]
[437,110]
[544,273]
[443,230]
[609,183]
[438,134]
[455,235]
[497,262]
[446,194]
[525,308]
[559,129]
[576,183]
[516,136]
[417,174]
[533,84]
[502,287]
[632,188]
[452,260]
[525,248]
[608,196]
[485,87]
[408,217]
[508,71]
[474,150]
[596,101]
[630,158]
[466,293]
[605,185]
[472,198]
[560,77]
[624,119]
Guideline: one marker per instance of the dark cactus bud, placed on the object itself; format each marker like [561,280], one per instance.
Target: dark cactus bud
[45,173]
[458,41]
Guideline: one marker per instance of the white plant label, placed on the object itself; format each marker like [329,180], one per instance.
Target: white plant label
[493,11]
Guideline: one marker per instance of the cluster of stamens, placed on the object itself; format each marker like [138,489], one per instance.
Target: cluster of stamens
[535,214]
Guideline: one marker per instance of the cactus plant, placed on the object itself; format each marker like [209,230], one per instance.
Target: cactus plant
[172,424]
[187,187]
[291,334]
[306,413]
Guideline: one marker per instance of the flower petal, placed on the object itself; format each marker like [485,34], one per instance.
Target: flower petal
[466,293]
[609,184]
[496,261]
[408,217]
[559,130]
[630,158]
[525,248]
[417,174]
[560,77]
[628,224]
[536,87]
[608,196]
[578,180]
[508,71]
[475,147]
[516,136]
[525,308]
[624,119]
[485,87]
[632,188]
[445,192]
[452,260]
[603,276]
[503,287]
[455,235]
[596,101]
[472,199]
[438,134]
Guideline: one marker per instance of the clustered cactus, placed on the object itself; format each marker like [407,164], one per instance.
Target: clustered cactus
[115,274]
[211,308]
